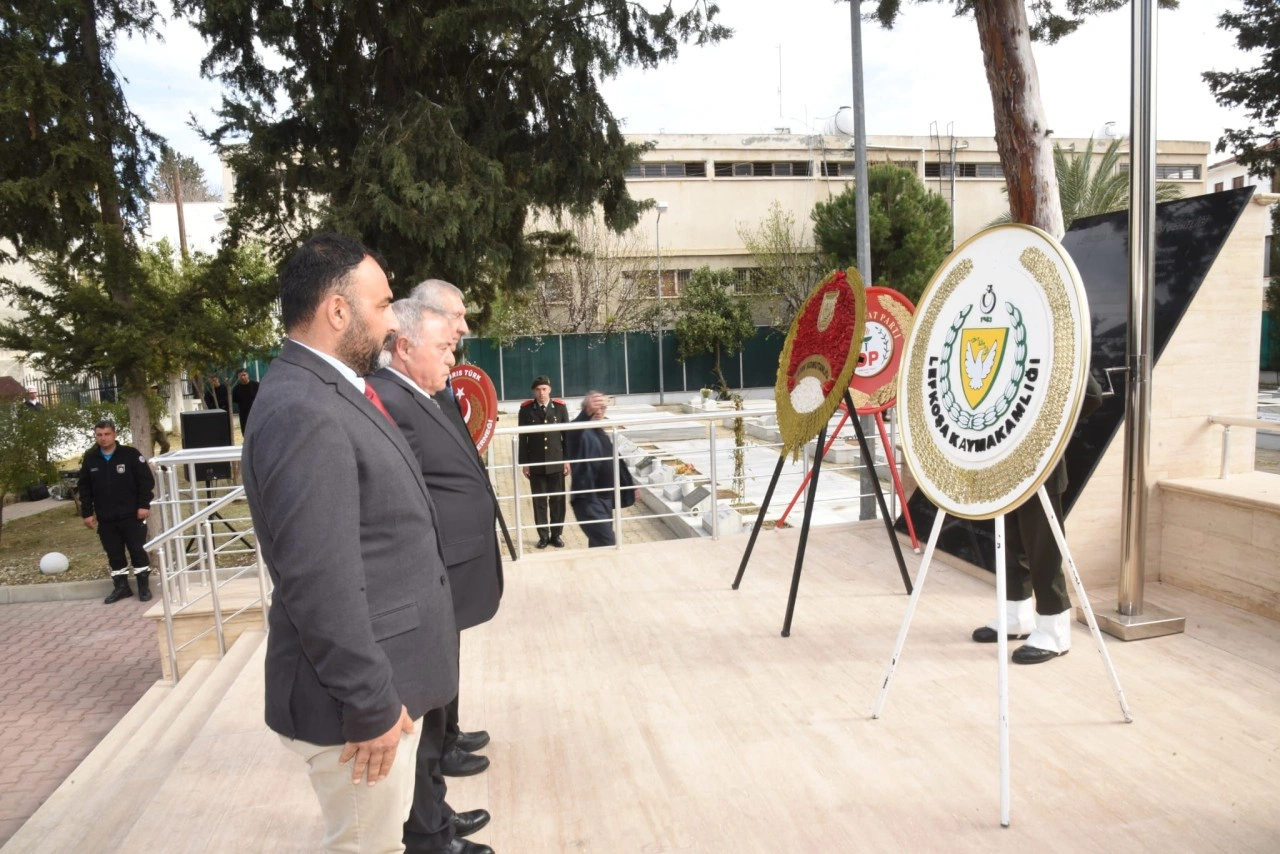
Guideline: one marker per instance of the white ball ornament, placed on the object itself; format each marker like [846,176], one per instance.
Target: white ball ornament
[54,563]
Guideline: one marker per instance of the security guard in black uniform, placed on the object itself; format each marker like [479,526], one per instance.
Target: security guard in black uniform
[542,460]
[116,487]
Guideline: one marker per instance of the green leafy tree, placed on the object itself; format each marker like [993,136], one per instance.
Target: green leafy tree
[910,229]
[786,263]
[712,320]
[1256,90]
[73,179]
[31,439]
[73,188]
[430,130]
[175,168]
[1088,187]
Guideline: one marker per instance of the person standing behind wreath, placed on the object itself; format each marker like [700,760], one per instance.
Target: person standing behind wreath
[116,487]
[542,460]
[591,454]
[243,395]
[1034,565]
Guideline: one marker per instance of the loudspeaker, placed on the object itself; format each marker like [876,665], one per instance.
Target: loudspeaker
[208,428]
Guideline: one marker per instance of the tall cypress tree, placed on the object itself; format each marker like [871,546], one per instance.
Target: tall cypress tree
[73,164]
[430,129]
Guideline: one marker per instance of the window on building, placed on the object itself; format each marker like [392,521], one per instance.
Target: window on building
[673,281]
[553,289]
[763,169]
[1171,171]
[1217,188]
[1237,183]
[838,168]
[964,170]
[1266,256]
[692,169]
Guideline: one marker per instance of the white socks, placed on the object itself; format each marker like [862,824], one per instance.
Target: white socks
[1052,632]
[1021,616]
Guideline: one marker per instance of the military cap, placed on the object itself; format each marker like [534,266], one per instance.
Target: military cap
[541,379]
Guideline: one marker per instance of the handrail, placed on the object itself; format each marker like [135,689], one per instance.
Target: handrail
[199,516]
[1229,421]
[1238,421]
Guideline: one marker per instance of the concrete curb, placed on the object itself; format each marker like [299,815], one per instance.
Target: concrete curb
[66,591]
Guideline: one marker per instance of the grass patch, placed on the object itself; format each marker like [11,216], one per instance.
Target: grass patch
[59,529]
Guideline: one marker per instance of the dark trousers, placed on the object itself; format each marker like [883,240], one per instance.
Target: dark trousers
[548,510]
[451,726]
[595,517]
[117,535]
[1034,562]
[429,829]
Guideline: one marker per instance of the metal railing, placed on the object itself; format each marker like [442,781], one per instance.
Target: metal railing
[638,440]
[207,539]
[1229,421]
[207,543]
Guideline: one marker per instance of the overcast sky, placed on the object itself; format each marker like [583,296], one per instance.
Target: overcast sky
[927,69]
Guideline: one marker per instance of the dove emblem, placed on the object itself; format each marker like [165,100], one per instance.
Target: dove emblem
[980,361]
[978,367]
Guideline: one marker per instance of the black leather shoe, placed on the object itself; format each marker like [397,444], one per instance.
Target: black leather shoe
[459,763]
[470,742]
[986,634]
[118,593]
[1027,654]
[466,846]
[542,543]
[467,823]
[557,542]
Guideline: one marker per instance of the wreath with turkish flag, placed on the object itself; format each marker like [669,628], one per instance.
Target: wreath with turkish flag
[819,357]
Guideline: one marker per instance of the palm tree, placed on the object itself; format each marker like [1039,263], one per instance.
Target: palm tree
[1086,188]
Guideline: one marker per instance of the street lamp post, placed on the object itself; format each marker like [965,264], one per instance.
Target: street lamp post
[657,229]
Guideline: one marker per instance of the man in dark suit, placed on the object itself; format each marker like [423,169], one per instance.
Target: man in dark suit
[446,300]
[542,460]
[420,361]
[362,654]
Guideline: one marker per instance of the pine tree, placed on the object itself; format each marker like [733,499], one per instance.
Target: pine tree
[1257,89]
[430,129]
[163,185]
[73,193]
[910,229]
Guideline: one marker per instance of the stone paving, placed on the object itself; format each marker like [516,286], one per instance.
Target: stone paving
[72,670]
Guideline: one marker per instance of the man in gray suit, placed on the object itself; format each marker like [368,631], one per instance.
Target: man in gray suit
[421,357]
[362,651]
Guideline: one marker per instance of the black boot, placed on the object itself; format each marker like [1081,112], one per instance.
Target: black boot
[119,591]
[144,586]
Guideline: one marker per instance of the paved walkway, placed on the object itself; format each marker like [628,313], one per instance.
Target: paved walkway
[72,670]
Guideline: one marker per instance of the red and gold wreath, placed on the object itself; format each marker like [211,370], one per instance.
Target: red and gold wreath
[819,357]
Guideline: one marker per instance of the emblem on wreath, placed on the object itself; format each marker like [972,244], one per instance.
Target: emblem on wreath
[976,355]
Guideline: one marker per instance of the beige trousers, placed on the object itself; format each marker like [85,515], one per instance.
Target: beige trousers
[359,818]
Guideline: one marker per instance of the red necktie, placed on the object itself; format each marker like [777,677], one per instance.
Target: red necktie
[376,401]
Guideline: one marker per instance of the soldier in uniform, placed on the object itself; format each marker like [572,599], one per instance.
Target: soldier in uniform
[542,460]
